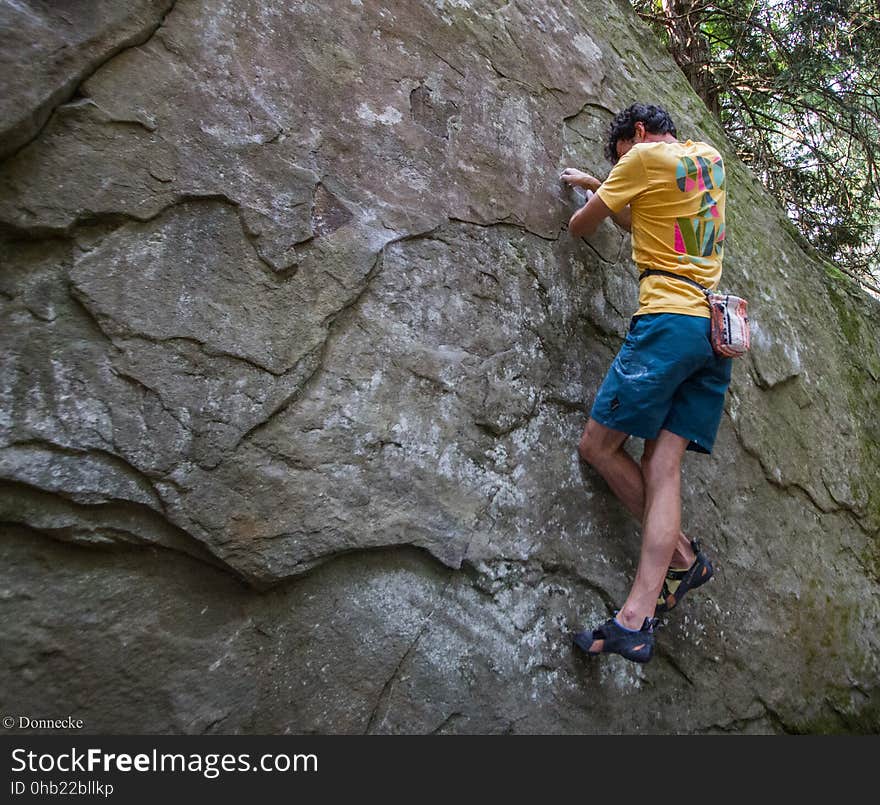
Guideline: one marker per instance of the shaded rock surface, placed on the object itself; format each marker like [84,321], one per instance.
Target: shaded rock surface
[298,352]
[47,48]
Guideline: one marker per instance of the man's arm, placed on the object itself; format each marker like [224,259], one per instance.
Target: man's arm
[587,219]
[583,180]
[623,218]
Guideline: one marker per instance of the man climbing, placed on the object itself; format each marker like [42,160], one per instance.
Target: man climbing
[666,385]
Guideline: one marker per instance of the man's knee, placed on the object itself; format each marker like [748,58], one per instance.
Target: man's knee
[663,462]
[597,444]
[656,467]
[589,450]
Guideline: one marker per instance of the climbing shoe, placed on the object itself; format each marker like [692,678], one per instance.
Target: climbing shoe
[678,582]
[635,645]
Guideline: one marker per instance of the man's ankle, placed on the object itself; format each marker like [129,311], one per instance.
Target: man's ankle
[683,558]
[630,619]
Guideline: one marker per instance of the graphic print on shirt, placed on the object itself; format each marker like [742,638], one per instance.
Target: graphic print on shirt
[700,236]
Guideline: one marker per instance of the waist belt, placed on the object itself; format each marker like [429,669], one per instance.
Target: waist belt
[651,272]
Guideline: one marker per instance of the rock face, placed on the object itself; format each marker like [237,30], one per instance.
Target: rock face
[285,282]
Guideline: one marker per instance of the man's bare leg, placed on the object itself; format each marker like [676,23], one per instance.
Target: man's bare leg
[661,528]
[602,447]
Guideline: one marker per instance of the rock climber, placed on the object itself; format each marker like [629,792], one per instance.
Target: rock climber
[666,385]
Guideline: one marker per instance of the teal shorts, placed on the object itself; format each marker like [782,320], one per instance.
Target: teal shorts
[665,377]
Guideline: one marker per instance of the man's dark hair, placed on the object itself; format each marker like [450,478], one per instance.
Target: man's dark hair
[623,127]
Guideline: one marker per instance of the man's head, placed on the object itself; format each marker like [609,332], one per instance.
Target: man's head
[633,125]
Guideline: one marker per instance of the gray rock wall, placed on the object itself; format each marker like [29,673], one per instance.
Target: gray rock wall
[298,352]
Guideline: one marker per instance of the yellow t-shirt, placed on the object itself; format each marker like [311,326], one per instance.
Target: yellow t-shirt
[677,195]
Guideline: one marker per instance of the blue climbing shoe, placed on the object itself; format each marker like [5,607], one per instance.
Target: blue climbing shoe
[637,646]
[678,582]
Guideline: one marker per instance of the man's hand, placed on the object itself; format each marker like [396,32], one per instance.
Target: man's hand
[576,178]
[585,221]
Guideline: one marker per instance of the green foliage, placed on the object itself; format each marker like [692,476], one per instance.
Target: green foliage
[795,85]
